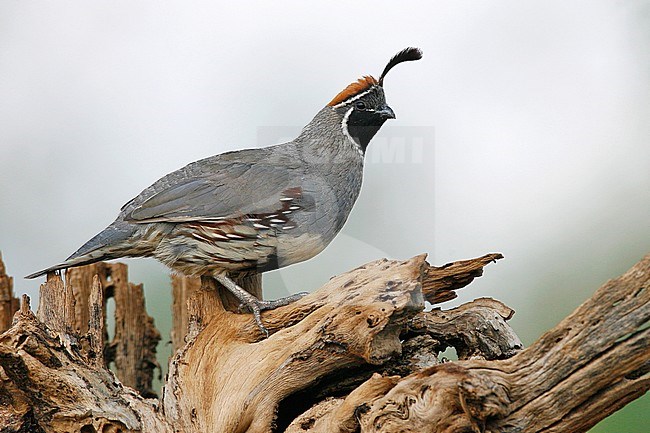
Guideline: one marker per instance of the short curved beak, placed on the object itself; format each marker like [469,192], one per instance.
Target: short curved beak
[386,112]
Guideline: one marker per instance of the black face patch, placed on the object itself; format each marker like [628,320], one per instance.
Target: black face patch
[363,125]
[362,115]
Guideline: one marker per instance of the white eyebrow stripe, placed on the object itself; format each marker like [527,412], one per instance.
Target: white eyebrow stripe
[354,98]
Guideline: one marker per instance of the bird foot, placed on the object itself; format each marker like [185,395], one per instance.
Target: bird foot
[253,304]
[280,302]
[256,306]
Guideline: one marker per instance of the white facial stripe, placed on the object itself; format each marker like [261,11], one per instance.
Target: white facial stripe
[360,95]
[344,127]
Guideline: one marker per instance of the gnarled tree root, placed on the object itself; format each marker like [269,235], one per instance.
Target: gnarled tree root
[359,354]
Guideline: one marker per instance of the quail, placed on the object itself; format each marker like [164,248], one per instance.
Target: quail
[253,210]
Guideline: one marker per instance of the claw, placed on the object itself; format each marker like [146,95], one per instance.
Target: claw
[253,304]
[258,321]
[255,307]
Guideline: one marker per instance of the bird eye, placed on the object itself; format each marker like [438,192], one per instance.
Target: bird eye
[360,105]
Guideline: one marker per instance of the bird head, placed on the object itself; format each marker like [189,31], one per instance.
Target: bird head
[362,107]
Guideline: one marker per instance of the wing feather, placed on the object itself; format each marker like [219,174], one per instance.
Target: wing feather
[223,186]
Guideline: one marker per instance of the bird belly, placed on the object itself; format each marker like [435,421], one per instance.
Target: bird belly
[296,249]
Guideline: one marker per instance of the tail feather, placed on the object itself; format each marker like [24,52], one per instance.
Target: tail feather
[104,246]
[71,263]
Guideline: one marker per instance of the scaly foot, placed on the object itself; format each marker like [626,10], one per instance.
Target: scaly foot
[253,304]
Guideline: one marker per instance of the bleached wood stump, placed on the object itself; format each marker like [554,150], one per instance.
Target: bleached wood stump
[359,354]
[8,303]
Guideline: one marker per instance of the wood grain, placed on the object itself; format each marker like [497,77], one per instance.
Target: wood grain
[358,354]
[9,304]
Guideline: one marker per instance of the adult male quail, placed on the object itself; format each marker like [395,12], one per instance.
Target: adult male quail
[253,210]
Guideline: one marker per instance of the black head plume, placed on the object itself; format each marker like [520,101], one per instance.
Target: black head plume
[406,55]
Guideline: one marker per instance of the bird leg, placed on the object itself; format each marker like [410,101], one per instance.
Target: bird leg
[255,305]
[281,302]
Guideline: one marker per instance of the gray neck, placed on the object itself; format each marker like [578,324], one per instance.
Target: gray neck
[324,135]
[335,163]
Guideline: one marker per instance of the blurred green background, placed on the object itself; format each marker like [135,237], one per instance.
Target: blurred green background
[524,130]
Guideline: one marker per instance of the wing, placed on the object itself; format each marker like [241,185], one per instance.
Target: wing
[228,185]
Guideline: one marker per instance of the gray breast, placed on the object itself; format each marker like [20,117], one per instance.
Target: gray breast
[327,200]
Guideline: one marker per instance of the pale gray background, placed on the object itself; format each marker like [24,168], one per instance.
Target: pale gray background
[524,130]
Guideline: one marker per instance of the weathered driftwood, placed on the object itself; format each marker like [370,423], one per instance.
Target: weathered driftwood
[359,354]
[133,347]
[439,283]
[479,324]
[8,303]
[184,288]
[590,365]
[354,319]
[477,329]
[50,384]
